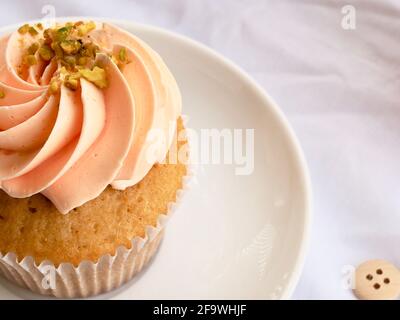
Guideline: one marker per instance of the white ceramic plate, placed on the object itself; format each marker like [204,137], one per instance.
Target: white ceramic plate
[236,237]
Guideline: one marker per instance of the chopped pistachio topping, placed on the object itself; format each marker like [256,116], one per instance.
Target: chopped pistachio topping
[69,61]
[121,58]
[71,83]
[74,51]
[33,48]
[97,76]
[58,50]
[122,55]
[32,31]
[30,60]
[54,86]
[46,53]
[48,34]
[24,29]
[2,94]
[82,61]
[89,50]
[70,46]
[62,33]
[85,28]
[63,71]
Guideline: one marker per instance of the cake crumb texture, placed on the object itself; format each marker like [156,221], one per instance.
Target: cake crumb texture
[33,226]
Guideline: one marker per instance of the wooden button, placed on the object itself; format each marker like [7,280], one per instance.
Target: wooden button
[377,280]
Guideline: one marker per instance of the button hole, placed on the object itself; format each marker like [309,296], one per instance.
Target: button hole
[377,286]
[369,277]
[379,271]
[386,280]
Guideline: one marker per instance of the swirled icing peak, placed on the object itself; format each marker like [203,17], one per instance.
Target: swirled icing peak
[77,104]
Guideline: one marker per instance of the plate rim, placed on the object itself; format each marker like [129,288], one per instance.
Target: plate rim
[269,102]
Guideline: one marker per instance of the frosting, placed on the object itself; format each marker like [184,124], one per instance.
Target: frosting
[71,145]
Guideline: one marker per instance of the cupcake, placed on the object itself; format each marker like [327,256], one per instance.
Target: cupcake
[91,160]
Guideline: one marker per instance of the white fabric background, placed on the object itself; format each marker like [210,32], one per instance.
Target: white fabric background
[339,88]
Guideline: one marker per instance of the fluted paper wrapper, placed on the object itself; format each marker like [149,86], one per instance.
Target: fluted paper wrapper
[91,278]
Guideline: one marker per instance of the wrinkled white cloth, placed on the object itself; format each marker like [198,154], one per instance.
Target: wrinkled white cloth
[339,89]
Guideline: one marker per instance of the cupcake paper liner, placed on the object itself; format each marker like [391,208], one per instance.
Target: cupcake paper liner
[92,278]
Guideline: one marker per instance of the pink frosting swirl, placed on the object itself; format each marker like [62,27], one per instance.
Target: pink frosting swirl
[71,146]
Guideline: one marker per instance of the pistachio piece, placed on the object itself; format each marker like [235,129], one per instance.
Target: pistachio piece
[32,31]
[30,60]
[83,61]
[33,48]
[122,55]
[63,71]
[24,29]
[71,83]
[48,36]
[58,50]
[69,61]
[62,33]
[2,94]
[54,86]
[89,50]
[46,53]
[97,76]
[70,46]
[85,28]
